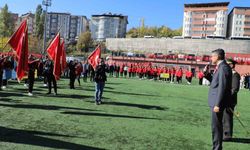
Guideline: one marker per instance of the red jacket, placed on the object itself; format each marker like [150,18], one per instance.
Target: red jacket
[200,75]
[179,73]
[189,74]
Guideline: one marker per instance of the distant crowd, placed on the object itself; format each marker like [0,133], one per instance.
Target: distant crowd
[142,71]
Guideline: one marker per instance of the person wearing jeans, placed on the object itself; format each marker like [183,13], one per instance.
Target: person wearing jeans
[100,79]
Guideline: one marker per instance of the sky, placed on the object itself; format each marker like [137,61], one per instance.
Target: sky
[154,12]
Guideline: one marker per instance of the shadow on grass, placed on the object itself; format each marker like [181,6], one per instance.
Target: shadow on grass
[10,100]
[8,94]
[142,106]
[68,96]
[25,90]
[240,140]
[43,107]
[36,138]
[106,115]
[123,93]
[112,83]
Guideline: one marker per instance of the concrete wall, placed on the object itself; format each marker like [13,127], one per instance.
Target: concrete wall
[192,46]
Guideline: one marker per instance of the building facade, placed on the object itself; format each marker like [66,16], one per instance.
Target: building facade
[78,25]
[205,19]
[70,26]
[108,26]
[239,22]
[30,20]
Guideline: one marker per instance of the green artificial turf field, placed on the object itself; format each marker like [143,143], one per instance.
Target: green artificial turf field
[143,115]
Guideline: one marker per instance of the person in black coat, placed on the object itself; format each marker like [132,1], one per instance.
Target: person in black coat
[228,112]
[2,59]
[219,94]
[33,65]
[72,74]
[48,69]
[100,78]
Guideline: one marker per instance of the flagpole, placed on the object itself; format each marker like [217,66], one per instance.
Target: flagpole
[241,123]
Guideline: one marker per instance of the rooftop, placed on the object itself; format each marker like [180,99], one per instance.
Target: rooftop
[207,4]
[109,15]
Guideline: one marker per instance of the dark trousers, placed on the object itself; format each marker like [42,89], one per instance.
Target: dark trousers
[129,74]
[31,78]
[200,81]
[1,79]
[50,79]
[228,121]
[178,79]
[5,82]
[78,79]
[45,81]
[72,81]
[217,129]
[85,76]
[125,74]
[189,79]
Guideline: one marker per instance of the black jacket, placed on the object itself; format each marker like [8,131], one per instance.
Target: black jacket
[235,87]
[100,73]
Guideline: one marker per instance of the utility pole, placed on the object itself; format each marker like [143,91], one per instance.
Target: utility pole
[46,3]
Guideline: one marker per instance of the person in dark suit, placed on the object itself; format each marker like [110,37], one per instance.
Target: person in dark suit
[228,112]
[219,94]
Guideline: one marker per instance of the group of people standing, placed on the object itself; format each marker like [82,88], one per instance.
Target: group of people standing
[40,67]
[148,71]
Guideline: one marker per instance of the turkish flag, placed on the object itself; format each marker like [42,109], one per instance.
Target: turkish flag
[18,35]
[95,56]
[54,51]
[54,45]
[19,42]
[63,57]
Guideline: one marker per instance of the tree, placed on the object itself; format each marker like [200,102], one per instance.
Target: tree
[39,21]
[158,32]
[34,45]
[7,23]
[84,42]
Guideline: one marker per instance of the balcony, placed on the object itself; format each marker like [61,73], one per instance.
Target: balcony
[247,33]
[198,16]
[198,22]
[211,29]
[210,22]
[211,16]
[247,27]
[197,29]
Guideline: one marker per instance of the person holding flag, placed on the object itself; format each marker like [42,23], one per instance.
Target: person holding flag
[53,65]
[100,73]
[19,43]
[100,79]
[33,65]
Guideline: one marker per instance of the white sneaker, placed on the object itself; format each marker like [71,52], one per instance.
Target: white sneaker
[30,94]
[25,85]
[4,87]
[45,85]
